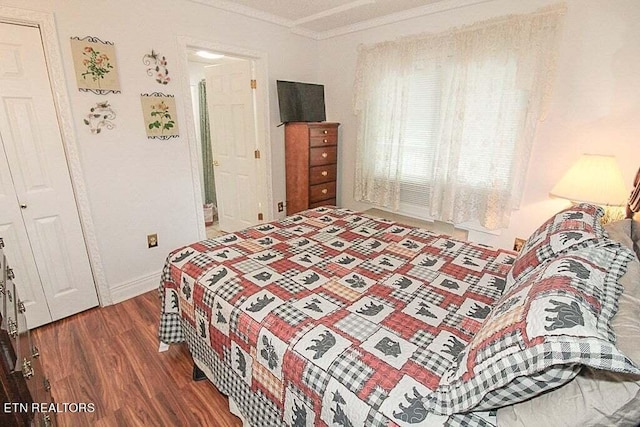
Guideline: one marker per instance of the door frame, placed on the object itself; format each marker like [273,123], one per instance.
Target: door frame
[44,21]
[263,136]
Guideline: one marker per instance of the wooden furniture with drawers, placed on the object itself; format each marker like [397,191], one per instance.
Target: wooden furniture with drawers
[25,391]
[311,156]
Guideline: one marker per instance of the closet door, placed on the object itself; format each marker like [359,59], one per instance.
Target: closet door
[39,214]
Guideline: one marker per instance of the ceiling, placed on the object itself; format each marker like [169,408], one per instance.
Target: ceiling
[322,19]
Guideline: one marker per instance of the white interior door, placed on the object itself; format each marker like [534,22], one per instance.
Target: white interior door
[38,215]
[230,104]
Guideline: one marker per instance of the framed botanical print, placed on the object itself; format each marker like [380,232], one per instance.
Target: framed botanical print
[159,111]
[94,62]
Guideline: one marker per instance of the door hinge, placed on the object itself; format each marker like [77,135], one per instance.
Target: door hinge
[254,84]
[256,154]
[260,217]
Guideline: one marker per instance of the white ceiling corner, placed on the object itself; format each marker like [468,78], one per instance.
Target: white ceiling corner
[330,18]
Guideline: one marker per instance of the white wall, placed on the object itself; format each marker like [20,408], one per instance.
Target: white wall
[137,186]
[595,107]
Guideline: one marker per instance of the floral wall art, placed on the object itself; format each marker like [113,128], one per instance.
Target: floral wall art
[157,67]
[100,116]
[94,62]
[159,112]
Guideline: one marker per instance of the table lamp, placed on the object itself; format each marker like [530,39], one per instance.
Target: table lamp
[595,179]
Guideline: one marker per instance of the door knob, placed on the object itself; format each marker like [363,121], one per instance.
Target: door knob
[215,163]
[23,206]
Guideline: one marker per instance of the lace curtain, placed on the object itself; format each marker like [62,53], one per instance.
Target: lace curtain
[446,121]
[205,141]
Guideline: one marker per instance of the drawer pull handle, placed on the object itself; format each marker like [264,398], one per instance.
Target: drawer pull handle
[324,191]
[46,384]
[325,140]
[12,328]
[35,352]
[324,173]
[27,369]
[325,132]
[324,155]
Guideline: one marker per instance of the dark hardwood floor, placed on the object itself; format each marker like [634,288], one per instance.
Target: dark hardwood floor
[109,356]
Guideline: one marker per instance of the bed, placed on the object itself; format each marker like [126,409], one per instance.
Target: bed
[331,317]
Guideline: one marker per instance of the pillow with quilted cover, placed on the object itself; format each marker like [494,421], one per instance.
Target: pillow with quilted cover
[595,397]
[540,333]
[572,228]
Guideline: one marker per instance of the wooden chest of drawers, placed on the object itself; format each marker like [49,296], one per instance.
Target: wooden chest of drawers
[311,156]
[24,387]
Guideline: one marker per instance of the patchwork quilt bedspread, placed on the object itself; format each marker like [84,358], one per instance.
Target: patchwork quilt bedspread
[330,317]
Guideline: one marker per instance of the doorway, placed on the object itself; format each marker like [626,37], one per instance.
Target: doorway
[198,61]
[39,218]
[241,155]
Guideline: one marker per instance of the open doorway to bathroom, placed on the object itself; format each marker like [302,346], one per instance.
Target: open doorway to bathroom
[198,61]
[237,107]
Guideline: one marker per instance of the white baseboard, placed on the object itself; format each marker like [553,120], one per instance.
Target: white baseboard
[138,286]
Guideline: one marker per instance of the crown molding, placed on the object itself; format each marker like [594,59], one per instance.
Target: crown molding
[333,11]
[296,28]
[441,6]
[305,33]
[246,11]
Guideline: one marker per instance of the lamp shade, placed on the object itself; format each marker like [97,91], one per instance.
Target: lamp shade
[593,179]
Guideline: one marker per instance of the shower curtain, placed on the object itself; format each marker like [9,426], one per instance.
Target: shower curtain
[207,154]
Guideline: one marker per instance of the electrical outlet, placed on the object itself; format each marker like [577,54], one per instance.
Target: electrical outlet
[152,240]
[280,206]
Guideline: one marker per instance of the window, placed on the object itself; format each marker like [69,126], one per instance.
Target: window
[446,121]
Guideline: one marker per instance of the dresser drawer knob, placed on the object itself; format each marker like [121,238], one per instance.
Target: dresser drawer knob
[324,191]
[325,140]
[324,173]
[325,155]
[325,132]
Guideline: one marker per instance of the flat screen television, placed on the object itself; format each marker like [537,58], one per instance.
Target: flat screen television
[300,102]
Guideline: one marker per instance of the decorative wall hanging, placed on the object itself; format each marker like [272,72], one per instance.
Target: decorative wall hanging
[100,116]
[159,112]
[94,62]
[157,67]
